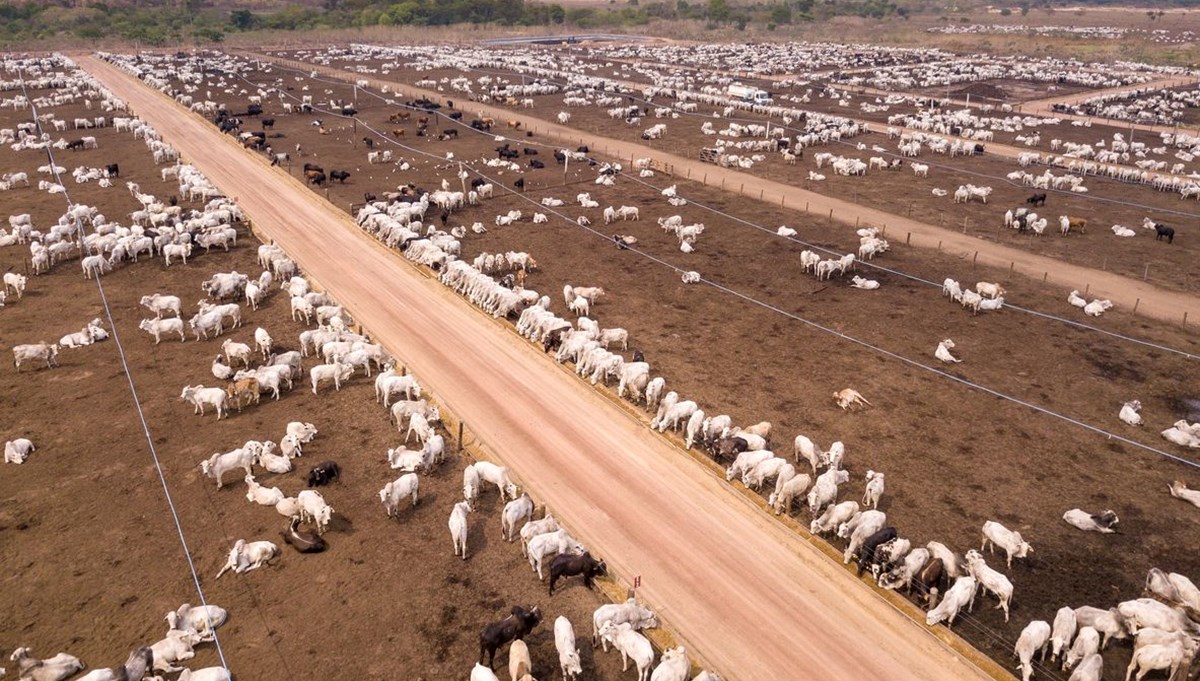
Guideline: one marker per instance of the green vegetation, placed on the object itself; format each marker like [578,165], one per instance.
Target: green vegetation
[192,21]
[183,22]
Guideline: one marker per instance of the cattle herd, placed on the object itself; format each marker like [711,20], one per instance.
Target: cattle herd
[460,174]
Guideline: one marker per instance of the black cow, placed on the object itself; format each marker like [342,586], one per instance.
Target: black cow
[866,555]
[553,339]
[567,565]
[520,184]
[448,134]
[315,177]
[536,164]
[638,356]
[113,170]
[268,123]
[529,152]
[456,115]
[1036,200]
[313,166]
[583,149]
[75,145]
[339,175]
[727,448]
[368,197]
[1161,231]
[349,111]
[478,182]
[560,157]
[369,142]
[512,628]
[254,110]
[323,473]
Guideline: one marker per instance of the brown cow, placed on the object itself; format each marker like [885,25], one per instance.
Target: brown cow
[243,391]
[398,132]
[515,125]
[402,116]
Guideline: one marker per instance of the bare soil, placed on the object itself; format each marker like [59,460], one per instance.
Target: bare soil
[954,456]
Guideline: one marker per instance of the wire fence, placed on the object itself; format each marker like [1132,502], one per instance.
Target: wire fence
[137,402]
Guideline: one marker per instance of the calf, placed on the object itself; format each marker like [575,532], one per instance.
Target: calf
[515,627]
[567,565]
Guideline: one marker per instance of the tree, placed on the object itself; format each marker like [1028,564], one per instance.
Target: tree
[242,19]
[717,10]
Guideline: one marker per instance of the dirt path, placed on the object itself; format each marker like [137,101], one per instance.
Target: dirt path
[1122,291]
[748,596]
[1043,107]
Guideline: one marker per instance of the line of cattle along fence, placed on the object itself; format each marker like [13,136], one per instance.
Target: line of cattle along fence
[470,444]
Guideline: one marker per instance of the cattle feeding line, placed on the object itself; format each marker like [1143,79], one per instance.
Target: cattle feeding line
[137,403]
[748,223]
[816,325]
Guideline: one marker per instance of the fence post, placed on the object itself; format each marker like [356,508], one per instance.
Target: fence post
[1086,289]
[1185,318]
[460,435]
[974,259]
[1146,272]
[908,239]
[1139,302]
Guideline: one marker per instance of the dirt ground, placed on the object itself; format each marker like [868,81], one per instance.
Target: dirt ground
[954,457]
[91,558]
[1107,202]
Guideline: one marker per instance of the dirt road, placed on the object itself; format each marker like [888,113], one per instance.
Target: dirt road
[1044,107]
[752,599]
[1124,292]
